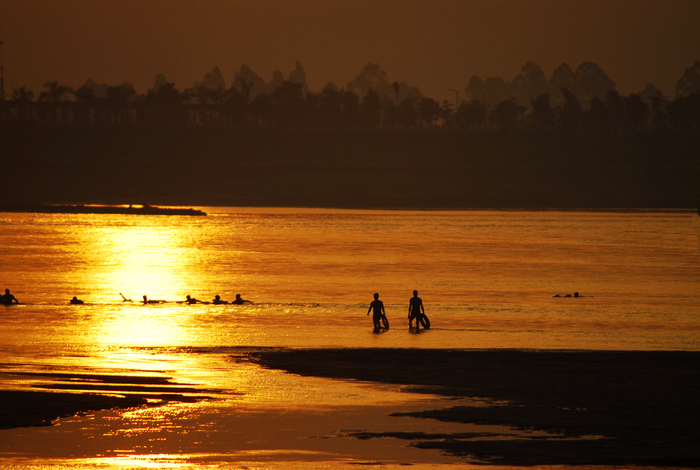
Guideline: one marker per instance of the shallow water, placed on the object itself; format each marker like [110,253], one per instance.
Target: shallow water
[487,280]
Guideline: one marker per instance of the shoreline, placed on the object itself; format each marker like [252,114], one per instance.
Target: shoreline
[586,407]
[603,407]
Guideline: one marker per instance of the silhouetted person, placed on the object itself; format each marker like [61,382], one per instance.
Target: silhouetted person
[415,310]
[239,300]
[8,298]
[576,295]
[191,300]
[217,300]
[146,300]
[377,306]
[76,301]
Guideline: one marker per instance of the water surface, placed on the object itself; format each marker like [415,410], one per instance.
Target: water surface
[487,279]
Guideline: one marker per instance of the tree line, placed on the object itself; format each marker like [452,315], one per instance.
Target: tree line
[578,100]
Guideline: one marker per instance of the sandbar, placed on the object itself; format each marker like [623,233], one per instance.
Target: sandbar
[600,407]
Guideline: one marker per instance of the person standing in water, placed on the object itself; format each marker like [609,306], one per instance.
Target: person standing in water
[378,307]
[415,310]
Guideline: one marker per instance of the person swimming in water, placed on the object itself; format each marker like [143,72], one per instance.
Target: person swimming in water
[576,295]
[217,300]
[8,298]
[146,300]
[240,301]
[378,307]
[76,301]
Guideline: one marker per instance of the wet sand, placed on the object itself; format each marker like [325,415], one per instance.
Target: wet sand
[57,395]
[602,408]
[598,407]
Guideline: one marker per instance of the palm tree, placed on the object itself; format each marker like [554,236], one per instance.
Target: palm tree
[22,97]
[54,94]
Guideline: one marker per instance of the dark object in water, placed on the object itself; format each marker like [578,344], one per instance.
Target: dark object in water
[90,209]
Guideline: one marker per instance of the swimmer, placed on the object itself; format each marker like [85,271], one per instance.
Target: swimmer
[240,301]
[8,298]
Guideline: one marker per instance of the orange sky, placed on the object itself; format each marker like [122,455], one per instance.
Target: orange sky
[432,44]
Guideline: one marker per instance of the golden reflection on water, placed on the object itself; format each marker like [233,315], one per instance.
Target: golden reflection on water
[142,259]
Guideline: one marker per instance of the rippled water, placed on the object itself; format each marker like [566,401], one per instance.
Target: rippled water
[487,280]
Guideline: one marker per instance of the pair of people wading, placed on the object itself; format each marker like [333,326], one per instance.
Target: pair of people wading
[415,312]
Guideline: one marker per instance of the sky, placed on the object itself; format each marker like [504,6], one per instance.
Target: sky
[435,45]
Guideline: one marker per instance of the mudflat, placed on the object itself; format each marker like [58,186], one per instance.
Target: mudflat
[57,395]
[598,407]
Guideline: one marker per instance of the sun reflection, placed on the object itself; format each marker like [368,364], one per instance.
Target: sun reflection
[144,260]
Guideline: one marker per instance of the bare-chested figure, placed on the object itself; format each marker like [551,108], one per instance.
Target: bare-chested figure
[378,307]
[415,310]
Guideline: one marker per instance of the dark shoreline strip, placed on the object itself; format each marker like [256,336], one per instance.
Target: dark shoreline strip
[643,404]
[96,209]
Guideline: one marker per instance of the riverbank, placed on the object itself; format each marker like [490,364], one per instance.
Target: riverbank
[601,407]
[349,168]
[581,407]
[57,395]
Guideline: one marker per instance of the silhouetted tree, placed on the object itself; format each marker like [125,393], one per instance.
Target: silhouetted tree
[54,95]
[276,82]
[570,113]
[22,97]
[298,76]
[562,77]
[261,110]
[212,81]
[684,112]
[542,112]
[254,84]
[428,111]
[529,83]
[330,107]
[591,81]
[117,99]
[615,111]
[234,105]
[372,77]
[371,109]
[598,119]
[166,104]
[637,111]
[472,115]
[396,88]
[507,115]
[491,91]
[690,82]
[408,116]
[289,106]
[351,109]
[85,102]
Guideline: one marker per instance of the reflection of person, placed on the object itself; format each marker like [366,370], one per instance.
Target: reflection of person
[415,310]
[8,298]
[217,300]
[377,306]
[239,300]
[76,301]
